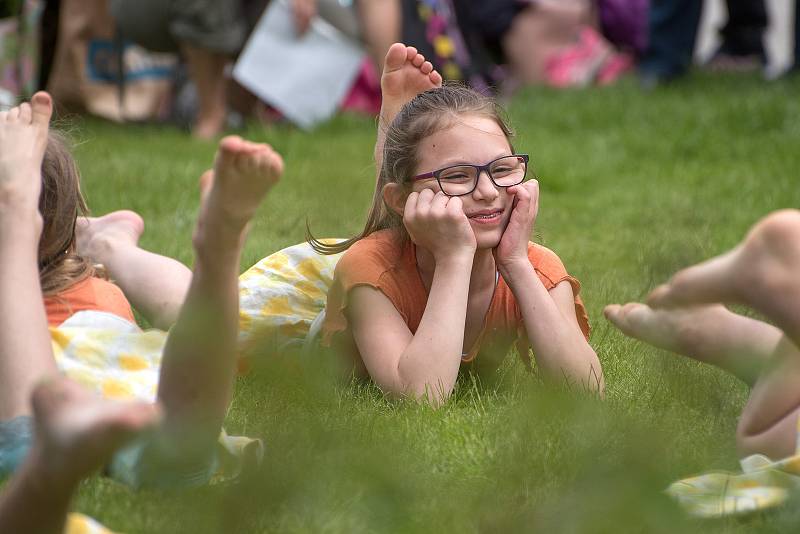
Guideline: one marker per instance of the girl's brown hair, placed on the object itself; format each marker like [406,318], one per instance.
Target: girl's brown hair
[61,203]
[427,113]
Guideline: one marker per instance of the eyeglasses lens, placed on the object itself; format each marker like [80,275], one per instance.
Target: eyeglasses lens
[460,180]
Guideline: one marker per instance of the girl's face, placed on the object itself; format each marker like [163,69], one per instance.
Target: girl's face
[474,140]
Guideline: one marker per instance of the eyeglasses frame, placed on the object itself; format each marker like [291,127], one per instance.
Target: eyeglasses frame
[479,168]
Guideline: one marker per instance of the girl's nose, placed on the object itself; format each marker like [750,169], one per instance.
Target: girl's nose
[485,188]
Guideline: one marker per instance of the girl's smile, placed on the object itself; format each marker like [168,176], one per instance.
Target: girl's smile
[471,139]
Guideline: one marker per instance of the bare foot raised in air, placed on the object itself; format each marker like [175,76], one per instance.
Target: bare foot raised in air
[97,237]
[23,140]
[762,272]
[405,75]
[243,174]
[77,431]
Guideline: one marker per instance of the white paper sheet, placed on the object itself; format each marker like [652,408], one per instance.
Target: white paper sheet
[304,77]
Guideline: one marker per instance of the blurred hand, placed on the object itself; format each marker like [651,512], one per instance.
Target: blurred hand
[303,11]
[437,223]
[513,246]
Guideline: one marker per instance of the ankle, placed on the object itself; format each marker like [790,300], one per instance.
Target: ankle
[45,482]
[217,240]
[20,223]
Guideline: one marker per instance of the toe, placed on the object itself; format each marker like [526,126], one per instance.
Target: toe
[418,60]
[426,67]
[436,78]
[13,114]
[25,113]
[41,109]
[395,57]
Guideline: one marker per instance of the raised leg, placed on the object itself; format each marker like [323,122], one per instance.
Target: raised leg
[156,285]
[25,352]
[405,75]
[763,272]
[75,434]
[199,359]
[769,420]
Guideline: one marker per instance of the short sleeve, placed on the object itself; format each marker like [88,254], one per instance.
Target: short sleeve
[552,272]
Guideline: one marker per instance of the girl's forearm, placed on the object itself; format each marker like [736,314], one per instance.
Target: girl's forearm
[429,364]
[560,349]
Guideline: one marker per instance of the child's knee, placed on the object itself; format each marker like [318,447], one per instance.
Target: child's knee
[776,442]
[778,233]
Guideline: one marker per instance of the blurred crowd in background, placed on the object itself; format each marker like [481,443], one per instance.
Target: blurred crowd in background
[183,61]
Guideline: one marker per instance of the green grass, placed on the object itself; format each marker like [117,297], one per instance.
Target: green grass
[634,185]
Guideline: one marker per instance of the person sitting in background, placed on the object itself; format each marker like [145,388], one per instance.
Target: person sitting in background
[208,33]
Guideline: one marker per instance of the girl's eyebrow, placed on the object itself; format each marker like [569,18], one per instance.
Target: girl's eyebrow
[466,162]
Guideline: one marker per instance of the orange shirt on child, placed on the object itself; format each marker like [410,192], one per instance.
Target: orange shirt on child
[89,294]
[379,261]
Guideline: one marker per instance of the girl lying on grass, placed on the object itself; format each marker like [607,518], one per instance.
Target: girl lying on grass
[687,315]
[443,268]
[412,311]
[195,375]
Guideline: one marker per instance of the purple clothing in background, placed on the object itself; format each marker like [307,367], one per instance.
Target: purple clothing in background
[624,23]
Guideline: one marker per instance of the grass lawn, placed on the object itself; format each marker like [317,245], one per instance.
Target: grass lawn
[634,185]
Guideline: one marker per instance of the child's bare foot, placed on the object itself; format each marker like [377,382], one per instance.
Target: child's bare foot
[405,75]
[680,330]
[243,174]
[23,139]
[762,272]
[78,431]
[96,237]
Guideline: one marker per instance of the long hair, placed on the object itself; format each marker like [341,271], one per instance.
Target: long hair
[427,113]
[60,203]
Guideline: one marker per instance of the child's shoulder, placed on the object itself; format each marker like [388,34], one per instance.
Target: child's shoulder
[91,293]
[381,248]
[547,263]
[541,254]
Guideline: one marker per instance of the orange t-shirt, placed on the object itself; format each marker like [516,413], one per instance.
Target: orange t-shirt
[89,294]
[379,262]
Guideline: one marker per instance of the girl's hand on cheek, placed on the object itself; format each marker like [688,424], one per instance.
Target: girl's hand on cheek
[437,223]
[513,246]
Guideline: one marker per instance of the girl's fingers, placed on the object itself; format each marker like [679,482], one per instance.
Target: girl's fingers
[411,206]
[534,191]
[439,203]
[455,206]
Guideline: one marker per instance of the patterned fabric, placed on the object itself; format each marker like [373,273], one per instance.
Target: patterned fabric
[81,524]
[281,295]
[762,484]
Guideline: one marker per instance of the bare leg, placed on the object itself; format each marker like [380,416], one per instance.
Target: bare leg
[25,352]
[199,359]
[711,334]
[76,433]
[405,75]
[763,272]
[156,285]
[207,71]
[381,25]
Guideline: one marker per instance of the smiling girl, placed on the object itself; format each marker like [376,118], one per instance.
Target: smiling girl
[443,272]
